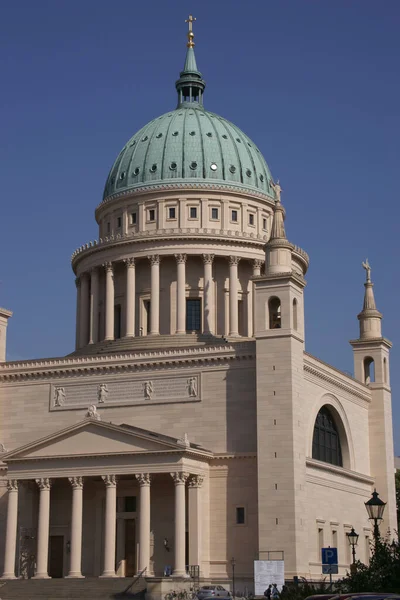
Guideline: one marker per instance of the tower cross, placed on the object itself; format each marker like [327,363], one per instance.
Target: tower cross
[190,20]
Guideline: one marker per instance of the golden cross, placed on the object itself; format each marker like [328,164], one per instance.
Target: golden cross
[190,34]
[190,20]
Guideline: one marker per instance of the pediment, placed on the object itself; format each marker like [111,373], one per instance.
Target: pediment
[95,438]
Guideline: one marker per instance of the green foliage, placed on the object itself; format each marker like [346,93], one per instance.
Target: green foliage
[397,480]
[305,588]
[381,575]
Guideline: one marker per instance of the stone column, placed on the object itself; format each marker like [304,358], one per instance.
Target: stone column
[110,525]
[109,301]
[94,306]
[11,530]
[84,310]
[43,529]
[76,527]
[233,296]
[250,297]
[181,293]
[144,480]
[257,267]
[208,295]
[195,519]
[130,297]
[179,480]
[155,295]
[78,309]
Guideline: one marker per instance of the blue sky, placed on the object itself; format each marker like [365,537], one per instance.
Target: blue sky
[314,84]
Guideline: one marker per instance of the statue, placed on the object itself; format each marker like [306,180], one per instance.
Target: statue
[92,413]
[192,387]
[367,267]
[277,190]
[102,393]
[59,396]
[184,441]
[148,389]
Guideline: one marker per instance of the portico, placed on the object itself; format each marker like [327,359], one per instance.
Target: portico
[115,512]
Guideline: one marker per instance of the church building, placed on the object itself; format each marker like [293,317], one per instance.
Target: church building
[189,425]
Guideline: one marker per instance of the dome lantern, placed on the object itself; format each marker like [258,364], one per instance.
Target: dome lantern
[190,85]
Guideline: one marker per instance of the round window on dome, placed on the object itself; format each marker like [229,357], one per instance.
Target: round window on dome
[232,168]
[261,177]
[133,143]
[122,175]
[225,137]
[145,138]
[249,145]
[239,140]
[153,168]
[213,167]
[112,179]
[136,171]
[193,165]
[175,133]
[192,133]
[173,166]
[209,134]
[248,173]
[159,135]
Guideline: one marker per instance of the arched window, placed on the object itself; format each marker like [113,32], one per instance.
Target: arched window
[369,370]
[384,370]
[274,309]
[295,314]
[326,441]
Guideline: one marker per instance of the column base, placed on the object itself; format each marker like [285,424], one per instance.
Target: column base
[74,576]
[109,574]
[154,333]
[109,339]
[180,575]
[183,332]
[41,576]
[8,576]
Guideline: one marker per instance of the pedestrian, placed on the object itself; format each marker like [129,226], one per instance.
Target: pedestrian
[274,592]
[267,592]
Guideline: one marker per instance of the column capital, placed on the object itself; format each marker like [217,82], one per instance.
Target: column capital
[108,266]
[208,259]
[44,483]
[129,262]
[258,263]
[181,258]
[78,282]
[12,485]
[196,481]
[144,479]
[76,482]
[109,480]
[154,259]
[179,477]
[234,260]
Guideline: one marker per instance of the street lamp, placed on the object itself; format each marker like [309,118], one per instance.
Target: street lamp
[375,508]
[352,536]
[233,563]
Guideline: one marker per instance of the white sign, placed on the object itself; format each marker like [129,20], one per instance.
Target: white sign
[267,572]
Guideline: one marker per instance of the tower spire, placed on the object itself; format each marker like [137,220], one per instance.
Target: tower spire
[369,317]
[190,86]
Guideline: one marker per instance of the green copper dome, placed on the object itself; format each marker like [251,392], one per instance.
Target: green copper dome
[190,146]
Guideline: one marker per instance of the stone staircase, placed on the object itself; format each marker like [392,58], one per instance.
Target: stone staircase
[89,587]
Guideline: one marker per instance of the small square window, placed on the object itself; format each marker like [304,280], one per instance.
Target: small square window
[108,227]
[152,214]
[251,219]
[234,216]
[172,213]
[265,224]
[193,212]
[130,503]
[133,218]
[214,213]
[119,222]
[240,515]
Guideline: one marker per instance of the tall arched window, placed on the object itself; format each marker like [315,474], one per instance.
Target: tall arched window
[274,309]
[369,370]
[295,314]
[326,441]
[384,370]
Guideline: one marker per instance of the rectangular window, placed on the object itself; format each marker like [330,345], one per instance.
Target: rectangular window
[251,219]
[264,224]
[119,222]
[130,503]
[214,213]
[171,213]
[234,216]
[193,314]
[320,542]
[108,227]
[240,515]
[133,218]
[334,538]
[152,214]
[193,212]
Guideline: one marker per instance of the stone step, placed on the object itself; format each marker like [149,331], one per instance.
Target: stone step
[90,587]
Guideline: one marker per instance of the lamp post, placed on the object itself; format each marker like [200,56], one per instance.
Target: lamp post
[233,563]
[352,536]
[375,508]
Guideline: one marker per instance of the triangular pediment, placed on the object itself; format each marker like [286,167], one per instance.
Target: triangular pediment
[95,438]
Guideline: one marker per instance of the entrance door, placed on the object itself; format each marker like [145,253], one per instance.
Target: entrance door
[193,315]
[56,555]
[130,547]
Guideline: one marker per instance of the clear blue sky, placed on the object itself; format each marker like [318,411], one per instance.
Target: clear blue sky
[315,84]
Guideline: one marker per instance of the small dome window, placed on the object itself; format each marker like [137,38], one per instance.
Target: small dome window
[249,145]
[248,173]
[168,115]
[159,135]
[136,171]
[239,140]
[232,168]
[122,175]
[180,114]
[145,138]
[193,165]
[213,167]
[261,177]
[209,134]
[173,166]
[224,136]
[192,133]
[133,143]
[153,168]
[112,179]
[175,133]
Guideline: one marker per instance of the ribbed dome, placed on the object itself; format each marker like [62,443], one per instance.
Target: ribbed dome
[189,144]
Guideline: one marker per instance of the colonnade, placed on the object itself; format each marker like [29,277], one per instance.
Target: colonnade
[75,569]
[88,302]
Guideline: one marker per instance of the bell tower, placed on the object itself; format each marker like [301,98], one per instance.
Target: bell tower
[371,367]
[279,332]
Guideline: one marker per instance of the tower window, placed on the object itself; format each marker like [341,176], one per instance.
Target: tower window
[326,443]
[193,314]
[193,212]
[384,370]
[240,515]
[172,212]
[295,314]
[152,214]
[214,213]
[274,307]
[133,218]
[264,224]
[108,227]
[234,216]
[251,219]
[369,370]
[119,222]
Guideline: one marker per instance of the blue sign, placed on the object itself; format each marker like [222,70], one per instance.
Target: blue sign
[329,556]
[330,569]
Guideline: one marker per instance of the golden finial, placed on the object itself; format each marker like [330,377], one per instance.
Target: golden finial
[190,34]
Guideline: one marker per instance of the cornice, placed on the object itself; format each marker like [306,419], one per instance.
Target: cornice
[124,362]
[5,313]
[341,471]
